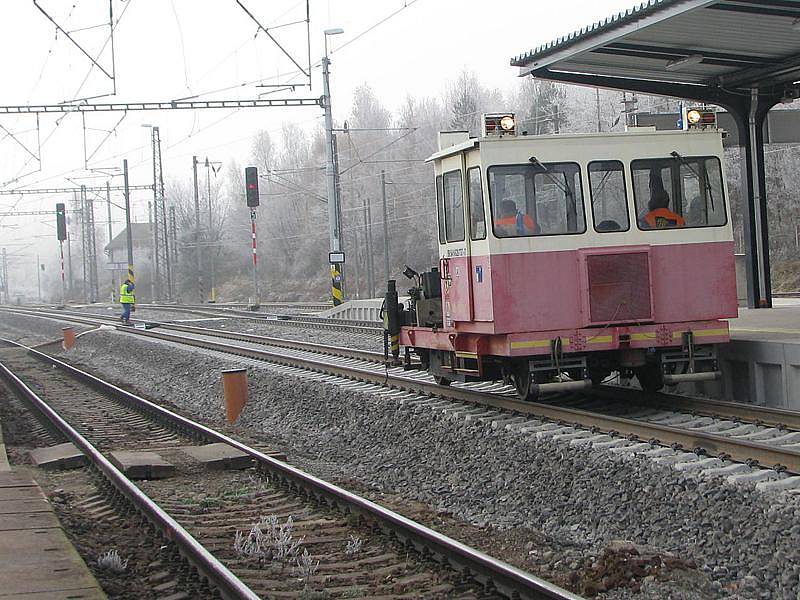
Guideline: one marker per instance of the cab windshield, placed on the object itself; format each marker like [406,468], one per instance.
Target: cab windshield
[680,191]
[536,199]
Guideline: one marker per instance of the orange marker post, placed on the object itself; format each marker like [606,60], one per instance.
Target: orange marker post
[234,384]
[69,338]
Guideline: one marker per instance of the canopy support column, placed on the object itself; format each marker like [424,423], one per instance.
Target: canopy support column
[750,116]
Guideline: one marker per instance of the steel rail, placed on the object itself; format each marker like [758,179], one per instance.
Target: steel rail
[366,355]
[507,579]
[312,306]
[703,442]
[365,326]
[229,586]
[722,409]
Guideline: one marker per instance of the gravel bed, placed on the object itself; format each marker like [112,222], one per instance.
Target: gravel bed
[744,542]
[272,329]
[33,330]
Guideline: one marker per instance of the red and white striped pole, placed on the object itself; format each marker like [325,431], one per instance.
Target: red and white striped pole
[63,280]
[256,301]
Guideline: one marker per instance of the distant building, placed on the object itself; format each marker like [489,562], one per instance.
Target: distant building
[117,252]
[142,234]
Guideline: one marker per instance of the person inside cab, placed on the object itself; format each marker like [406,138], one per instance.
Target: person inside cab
[513,223]
[659,216]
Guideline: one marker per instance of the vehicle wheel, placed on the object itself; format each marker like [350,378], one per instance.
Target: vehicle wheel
[523,383]
[441,380]
[650,378]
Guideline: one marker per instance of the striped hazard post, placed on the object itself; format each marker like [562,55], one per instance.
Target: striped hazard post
[336,285]
[255,301]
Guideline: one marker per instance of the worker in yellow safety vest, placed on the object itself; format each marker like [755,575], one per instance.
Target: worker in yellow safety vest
[127,299]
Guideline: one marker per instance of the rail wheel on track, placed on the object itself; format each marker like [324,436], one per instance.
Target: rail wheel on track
[441,380]
[650,377]
[523,382]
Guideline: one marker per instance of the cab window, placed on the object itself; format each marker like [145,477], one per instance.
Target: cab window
[609,198]
[477,215]
[453,207]
[680,191]
[439,208]
[536,199]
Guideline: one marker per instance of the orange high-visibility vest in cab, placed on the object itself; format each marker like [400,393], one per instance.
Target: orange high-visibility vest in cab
[664,217]
[522,224]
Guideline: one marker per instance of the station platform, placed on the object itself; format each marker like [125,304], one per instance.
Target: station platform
[761,364]
[780,323]
[37,560]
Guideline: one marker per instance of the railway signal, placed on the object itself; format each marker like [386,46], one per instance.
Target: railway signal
[61,233]
[61,222]
[251,194]
[251,186]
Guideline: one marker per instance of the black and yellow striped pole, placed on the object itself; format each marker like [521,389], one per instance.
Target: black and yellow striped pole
[336,284]
[391,321]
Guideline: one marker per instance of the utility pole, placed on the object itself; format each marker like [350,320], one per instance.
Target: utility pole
[39,278]
[5,276]
[110,237]
[129,234]
[84,239]
[369,261]
[160,200]
[597,102]
[334,223]
[155,288]
[385,227]
[200,292]
[212,248]
[629,108]
[356,268]
[173,227]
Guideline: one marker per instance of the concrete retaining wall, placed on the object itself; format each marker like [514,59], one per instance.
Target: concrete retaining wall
[358,310]
[766,373]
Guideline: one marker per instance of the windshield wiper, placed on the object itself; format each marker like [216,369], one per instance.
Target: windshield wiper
[562,186]
[685,163]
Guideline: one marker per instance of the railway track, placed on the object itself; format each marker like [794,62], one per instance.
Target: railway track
[99,417]
[343,325]
[707,429]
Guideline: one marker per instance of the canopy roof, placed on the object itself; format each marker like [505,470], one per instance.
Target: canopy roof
[730,45]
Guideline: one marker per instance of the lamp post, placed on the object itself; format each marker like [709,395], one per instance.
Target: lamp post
[334,223]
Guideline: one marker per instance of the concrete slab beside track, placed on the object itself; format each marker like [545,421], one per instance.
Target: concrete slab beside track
[36,558]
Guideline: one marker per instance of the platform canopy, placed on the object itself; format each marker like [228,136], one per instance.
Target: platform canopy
[730,45]
[743,55]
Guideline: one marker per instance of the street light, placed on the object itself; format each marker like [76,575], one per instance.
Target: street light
[334,224]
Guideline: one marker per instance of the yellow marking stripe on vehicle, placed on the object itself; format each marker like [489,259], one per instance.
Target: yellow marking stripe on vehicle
[531,344]
[600,339]
[467,354]
[641,337]
[701,333]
